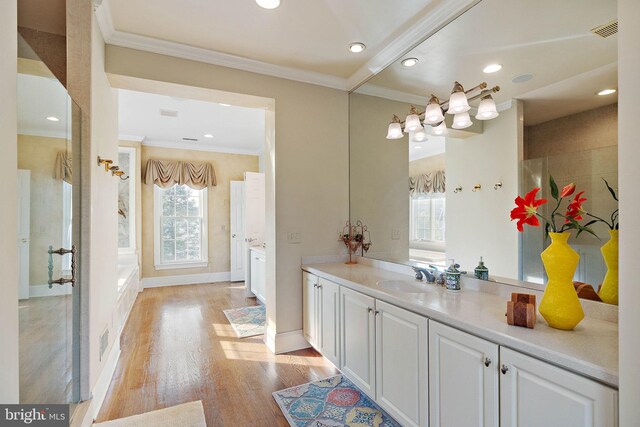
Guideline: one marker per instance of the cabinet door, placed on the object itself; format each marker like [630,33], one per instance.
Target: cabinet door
[309,324]
[357,339]
[255,273]
[401,364]
[262,276]
[463,379]
[329,321]
[534,393]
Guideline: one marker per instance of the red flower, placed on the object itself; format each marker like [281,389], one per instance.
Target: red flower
[526,209]
[568,190]
[575,210]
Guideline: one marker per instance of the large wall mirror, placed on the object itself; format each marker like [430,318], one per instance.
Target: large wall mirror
[429,197]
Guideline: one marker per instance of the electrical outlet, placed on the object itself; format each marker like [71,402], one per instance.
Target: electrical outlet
[395,234]
[293,237]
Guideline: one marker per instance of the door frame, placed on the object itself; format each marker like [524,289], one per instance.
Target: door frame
[236,232]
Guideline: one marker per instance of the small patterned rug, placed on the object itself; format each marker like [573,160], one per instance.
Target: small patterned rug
[332,402]
[247,321]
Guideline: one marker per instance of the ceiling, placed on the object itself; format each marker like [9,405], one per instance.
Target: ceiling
[305,40]
[546,38]
[40,97]
[234,129]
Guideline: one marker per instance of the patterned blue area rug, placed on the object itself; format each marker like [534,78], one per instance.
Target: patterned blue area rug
[331,402]
[247,321]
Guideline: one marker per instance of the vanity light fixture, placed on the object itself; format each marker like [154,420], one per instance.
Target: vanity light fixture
[268,4]
[605,92]
[420,135]
[357,47]
[208,135]
[53,119]
[492,68]
[458,105]
[409,62]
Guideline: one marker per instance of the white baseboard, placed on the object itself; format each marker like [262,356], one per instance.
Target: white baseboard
[286,341]
[36,291]
[187,279]
[104,380]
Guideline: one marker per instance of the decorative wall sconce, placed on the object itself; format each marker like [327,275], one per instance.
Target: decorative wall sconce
[110,167]
[497,186]
[457,189]
[476,187]
[458,105]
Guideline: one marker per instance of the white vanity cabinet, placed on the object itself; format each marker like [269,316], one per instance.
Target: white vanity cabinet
[534,393]
[258,274]
[463,379]
[310,308]
[328,294]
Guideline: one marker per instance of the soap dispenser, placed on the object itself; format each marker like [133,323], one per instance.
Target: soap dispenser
[453,277]
[481,271]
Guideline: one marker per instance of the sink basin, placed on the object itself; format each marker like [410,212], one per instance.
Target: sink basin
[407,286]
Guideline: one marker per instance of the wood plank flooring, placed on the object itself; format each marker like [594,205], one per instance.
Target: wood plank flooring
[178,347]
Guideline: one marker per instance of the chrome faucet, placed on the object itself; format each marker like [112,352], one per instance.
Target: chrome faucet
[427,273]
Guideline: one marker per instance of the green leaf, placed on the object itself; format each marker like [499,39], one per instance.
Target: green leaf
[546,230]
[611,190]
[554,187]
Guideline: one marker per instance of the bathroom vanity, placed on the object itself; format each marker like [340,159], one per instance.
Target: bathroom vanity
[258,271]
[432,357]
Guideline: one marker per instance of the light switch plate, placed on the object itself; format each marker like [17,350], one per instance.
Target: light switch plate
[395,234]
[293,237]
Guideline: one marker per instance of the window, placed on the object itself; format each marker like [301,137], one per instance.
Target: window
[427,218]
[180,227]
[127,202]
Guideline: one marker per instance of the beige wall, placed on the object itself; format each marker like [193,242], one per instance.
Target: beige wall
[228,167]
[379,175]
[8,217]
[427,164]
[38,154]
[588,130]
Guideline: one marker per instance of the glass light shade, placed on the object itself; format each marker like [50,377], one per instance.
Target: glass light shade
[412,123]
[268,4]
[487,109]
[461,121]
[433,114]
[458,103]
[420,135]
[395,131]
[440,129]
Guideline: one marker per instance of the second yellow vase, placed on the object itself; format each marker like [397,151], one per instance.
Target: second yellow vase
[609,290]
[560,305]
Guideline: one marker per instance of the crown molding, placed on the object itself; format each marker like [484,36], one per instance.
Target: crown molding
[440,16]
[392,94]
[196,146]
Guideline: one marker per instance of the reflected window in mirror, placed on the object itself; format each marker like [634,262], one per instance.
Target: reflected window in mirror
[127,202]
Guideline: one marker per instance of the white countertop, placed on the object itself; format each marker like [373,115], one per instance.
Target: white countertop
[590,350]
[258,249]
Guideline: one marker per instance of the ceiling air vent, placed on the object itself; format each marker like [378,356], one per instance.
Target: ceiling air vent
[190,139]
[168,113]
[606,30]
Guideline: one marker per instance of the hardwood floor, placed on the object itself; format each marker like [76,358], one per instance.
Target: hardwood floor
[178,347]
[45,350]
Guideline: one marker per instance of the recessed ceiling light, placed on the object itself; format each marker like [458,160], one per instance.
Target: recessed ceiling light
[410,62]
[357,47]
[208,135]
[492,68]
[606,92]
[417,147]
[225,105]
[53,119]
[522,78]
[268,4]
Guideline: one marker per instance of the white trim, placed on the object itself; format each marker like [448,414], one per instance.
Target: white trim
[131,138]
[99,391]
[67,223]
[36,291]
[425,27]
[186,279]
[131,215]
[157,213]
[395,95]
[44,133]
[285,341]
[434,20]
[195,146]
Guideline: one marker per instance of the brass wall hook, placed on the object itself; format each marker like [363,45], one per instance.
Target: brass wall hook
[106,162]
[497,186]
[476,187]
[458,189]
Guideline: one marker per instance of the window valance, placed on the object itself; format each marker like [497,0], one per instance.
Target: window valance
[166,174]
[62,168]
[430,182]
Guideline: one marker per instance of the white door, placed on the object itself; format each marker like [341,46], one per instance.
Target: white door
[401,364]
[329,294]
[24,223]
[309,308]
[255,210]
[534,393]
[463,379]
[358,339]
[238,256]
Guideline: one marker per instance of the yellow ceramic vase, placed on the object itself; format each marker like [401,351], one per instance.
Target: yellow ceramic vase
[560,305]
[609,290]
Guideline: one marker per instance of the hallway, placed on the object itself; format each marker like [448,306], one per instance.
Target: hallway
[179,347]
